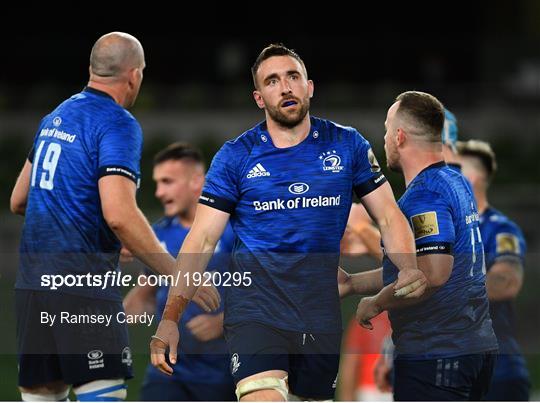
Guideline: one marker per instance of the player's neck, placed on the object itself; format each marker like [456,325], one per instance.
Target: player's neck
[116,93]
[284,137]
[417,162]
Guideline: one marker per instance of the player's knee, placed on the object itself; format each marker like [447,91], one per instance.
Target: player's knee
[267,388]
[50,392]
[105,390]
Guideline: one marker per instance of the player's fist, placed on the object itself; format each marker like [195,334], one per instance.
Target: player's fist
[206,327]
[367,310]
[411,283]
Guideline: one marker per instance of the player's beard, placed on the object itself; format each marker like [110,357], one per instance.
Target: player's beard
[289,120]
[392,161]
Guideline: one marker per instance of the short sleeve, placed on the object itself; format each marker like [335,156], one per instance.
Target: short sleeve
[221,187]
[430,218]
[367,174]
[33,148]
[120,148]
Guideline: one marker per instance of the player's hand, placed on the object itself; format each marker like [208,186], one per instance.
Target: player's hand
[125,255]
[367,310]
[207,297]
[411,283]
[166,336]
[344,283]
[206,327]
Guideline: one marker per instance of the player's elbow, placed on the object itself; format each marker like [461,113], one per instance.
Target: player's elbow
[17,206]
[437,280]
[115,219]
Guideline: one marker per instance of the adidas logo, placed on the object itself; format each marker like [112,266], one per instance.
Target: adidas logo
[257,170]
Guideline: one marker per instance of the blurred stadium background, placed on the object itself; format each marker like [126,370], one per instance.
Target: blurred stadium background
[198,89]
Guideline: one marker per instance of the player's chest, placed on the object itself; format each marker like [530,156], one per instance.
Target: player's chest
[318,170]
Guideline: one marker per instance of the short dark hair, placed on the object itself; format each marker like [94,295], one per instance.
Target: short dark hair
[274,49]
[482,151]
[179,151]
[426,111]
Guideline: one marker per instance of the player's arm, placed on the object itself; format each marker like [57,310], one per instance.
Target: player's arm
[125,219]
[363,283]
[397,238]
[437,269]
[504,279]
[194,256]
[19,195]
[360,224]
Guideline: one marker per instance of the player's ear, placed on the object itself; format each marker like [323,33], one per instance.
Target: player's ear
[258,99]
[401,136]
[311,88]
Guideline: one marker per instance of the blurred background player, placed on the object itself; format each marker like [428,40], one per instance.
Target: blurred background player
[444,341]
[505,248]
[286,184]
[77,193]
[362,348]
[202,371]
[449,140]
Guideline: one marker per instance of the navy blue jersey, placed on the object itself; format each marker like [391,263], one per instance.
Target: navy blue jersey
[503,239]
[86,137]
[289,207]
[197,361]
[441,210]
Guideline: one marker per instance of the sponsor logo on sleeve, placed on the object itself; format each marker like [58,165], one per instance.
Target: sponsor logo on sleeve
[375,167]
[425,224]
[507,243]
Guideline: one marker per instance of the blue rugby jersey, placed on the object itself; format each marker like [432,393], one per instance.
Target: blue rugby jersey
[86,137]
[503,239]
[442,212]
[289,208]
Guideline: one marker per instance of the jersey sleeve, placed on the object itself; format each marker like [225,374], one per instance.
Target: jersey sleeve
[221,187]
[33,148]
[430,218]
[507,242]
[367,174]
[119,150]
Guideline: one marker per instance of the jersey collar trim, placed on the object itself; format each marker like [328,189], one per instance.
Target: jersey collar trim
[97,92]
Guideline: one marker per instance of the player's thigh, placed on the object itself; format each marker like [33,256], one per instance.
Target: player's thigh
[36,347]
[314,366]
[165,390]
[460,378]
[91,351]
[212,392]
[256,348]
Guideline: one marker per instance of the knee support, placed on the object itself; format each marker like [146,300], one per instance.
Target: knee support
[106,390]
[268,383]
[45,397]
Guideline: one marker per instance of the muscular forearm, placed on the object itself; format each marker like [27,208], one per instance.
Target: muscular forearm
[367,283]
[500,287]
[193,258]
[398,240]
[386,299]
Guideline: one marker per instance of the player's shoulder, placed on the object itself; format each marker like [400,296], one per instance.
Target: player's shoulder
[335,131]
[247,141]
[500,222]
[436,182]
